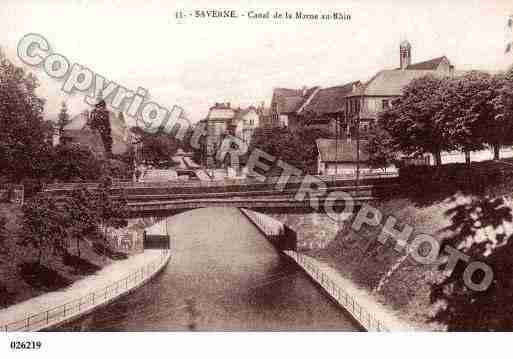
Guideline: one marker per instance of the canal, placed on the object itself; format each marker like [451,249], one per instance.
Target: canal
[224,275]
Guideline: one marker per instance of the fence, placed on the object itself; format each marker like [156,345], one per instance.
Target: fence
[213,183]
[12,193]
[86,303]
[364,317]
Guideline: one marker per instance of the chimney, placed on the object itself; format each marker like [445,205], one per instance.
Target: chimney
[405,54]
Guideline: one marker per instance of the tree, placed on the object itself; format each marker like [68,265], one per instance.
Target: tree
[72,163]
[119,167]
[493,108]
[298,148]
[63,120]
[100,121]
[501,124]
[111,211]
[158,148]
[23,146]
[467,111]
[81,216]
[415,121]
[44,225]
[379,147]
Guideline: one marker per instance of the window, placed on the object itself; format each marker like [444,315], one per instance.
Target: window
[386,104]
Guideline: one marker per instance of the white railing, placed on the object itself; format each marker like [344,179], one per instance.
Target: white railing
[359,313]
[80,306]
[269,226]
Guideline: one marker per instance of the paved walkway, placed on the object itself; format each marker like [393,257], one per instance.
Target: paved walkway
[83,287]
[361,297]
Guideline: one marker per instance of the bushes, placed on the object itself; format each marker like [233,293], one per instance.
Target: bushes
[116,169]
[297,148]
[73,163]
[486,177]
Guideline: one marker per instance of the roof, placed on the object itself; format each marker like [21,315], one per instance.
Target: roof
[245,111]
[283,92]
[218,113]
[329,100]
[291,104]
[432,64]
[340,151]
[79,131]
[290,100]
[428,65]
[392,82]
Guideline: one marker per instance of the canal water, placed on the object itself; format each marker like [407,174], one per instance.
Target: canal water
[224,275]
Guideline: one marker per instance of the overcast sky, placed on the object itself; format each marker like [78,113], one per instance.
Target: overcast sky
[198,62]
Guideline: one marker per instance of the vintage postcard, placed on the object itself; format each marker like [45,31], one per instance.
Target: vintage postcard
[342,166]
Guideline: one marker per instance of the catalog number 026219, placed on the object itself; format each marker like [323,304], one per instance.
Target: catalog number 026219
[25,344]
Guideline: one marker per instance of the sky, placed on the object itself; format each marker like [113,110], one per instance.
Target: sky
[194,63]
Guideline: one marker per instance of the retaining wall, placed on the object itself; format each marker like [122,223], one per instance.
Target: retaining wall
[370,314]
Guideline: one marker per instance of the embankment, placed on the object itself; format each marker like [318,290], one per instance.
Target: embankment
[84,296]
[360,305]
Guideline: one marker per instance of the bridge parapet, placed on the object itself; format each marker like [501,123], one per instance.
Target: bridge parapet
[294,182]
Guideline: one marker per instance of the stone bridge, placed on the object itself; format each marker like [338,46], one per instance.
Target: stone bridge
[313,227]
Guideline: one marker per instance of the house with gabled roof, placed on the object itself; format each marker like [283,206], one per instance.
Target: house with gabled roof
[326,108]
[285,104]
[361,102]
[378,93]
[245,122]
[79,131]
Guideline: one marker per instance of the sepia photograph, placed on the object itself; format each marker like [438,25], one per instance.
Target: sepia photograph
[243,167]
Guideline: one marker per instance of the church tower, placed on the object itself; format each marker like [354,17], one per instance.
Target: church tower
[405,54]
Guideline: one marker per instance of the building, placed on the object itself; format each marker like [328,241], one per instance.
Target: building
[339,157]
[361,102]
[264,115]
[79,131]
[219,117]
[245,123]
[326,108]
[286,103]
[224,120]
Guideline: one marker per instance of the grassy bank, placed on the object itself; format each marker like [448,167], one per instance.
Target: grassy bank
[21,278]
[467,209]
